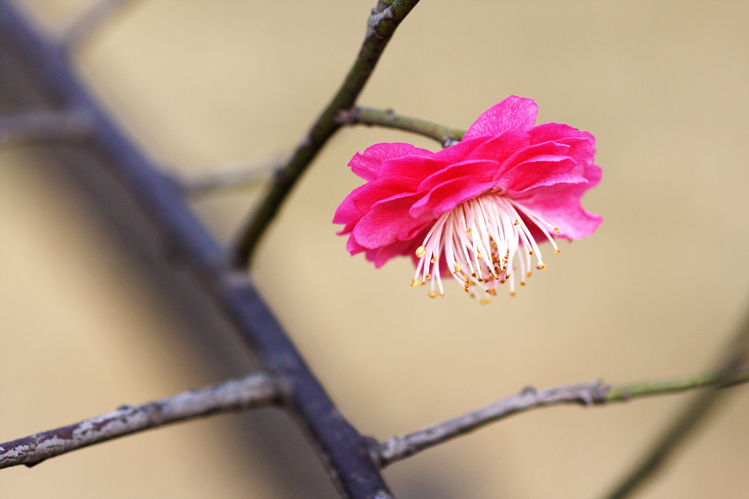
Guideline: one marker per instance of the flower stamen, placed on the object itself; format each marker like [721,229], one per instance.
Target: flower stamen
[484,236]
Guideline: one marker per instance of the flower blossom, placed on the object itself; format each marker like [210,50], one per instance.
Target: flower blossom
[477,210]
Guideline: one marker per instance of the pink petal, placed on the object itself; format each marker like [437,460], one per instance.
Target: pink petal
[480,170]
[557,131]
[399,248]
[459,151]
[367,164]
[501,147]
[386,221]
[534,171]
[453,185]
[449,195]
[347,211]
[533,151]
[513,112]
[412,170]
[560,205]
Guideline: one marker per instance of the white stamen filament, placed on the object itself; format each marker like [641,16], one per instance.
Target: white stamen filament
[479,240]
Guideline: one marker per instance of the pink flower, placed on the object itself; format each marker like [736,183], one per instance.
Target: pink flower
[478,209]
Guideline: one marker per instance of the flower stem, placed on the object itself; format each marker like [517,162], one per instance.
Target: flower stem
[387,118]
[383,21]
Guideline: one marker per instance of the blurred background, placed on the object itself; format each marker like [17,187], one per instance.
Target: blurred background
[90,319]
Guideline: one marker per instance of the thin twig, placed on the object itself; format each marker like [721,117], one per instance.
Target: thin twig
[229,177]
[88,19]
[235,395]
[731,368]
[44,125]
[383,21]
[591,393]
[446,136]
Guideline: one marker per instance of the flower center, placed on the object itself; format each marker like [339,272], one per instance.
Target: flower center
[478,241]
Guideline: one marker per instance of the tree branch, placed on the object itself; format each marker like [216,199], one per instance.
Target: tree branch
[732,368]
[88,19]
[194,252]
[44,125]
[383,21]
[231,177]
[446,136]
[235,395]
[591,393]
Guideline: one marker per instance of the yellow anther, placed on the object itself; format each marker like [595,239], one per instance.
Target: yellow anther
[423,283]
[421,251]
[512,293]
[557,251]
[556,230]
[428,276]
[414,283]
[433,294]
[541,267]
[457,267]
[434,259]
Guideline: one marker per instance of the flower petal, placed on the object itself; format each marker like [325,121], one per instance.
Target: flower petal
[386,221]
[533,171]
[367,164]
[560,205]
[513,112]
[453,185]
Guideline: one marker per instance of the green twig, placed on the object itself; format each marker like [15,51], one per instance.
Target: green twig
[590,393]
[732,370]
[627,392]
[387,118]
[383,21]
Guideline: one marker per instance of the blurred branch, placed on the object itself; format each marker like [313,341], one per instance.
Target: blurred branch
[194,252]
[88,19]
[590,393]
[387,118]
[383,21]
[235,395]
[731,368]
[44,125]
[230,177]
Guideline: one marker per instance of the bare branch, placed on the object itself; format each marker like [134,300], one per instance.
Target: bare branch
[230,177]
[383,21]
[387,118]
[45,125]
[345,453]
[88,19]
[253,391]
[732,368]
[586,394]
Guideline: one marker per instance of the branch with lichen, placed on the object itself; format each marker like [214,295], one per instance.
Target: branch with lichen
[387,118]
[383,21]
[586,394]
[256,390]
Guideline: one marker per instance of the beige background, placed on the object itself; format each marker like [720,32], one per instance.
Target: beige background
[85,326]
